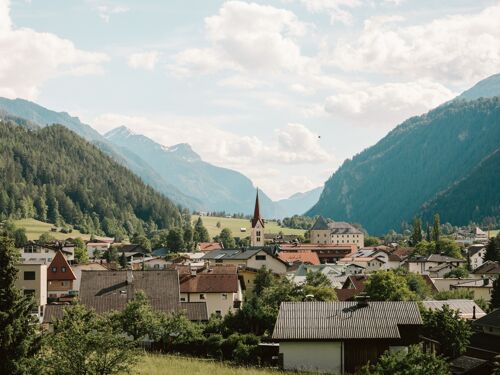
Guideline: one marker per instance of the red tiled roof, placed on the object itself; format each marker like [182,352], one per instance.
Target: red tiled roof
[222,269]
[59,269]
[209,283]
[302,256]
[209,246]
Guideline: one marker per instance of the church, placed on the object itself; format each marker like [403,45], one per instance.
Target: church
[257,235]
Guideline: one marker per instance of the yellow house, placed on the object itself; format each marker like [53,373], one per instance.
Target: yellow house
[32,280]
[482,288]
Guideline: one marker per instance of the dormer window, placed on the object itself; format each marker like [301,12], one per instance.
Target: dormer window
[63,269]
[54,269]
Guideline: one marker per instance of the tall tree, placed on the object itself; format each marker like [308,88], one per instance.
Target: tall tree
[416,236]
[175,240]
[18,337]
[495,294]
[200,232]
[436,231]
[492,250]
[227,239]
[388,286]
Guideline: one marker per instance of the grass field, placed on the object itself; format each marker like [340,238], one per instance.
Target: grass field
[35,228]
[172,365]
[210,223]
[494,233]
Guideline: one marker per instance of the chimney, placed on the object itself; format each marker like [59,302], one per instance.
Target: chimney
[473,312]
[130,277]
[193,271]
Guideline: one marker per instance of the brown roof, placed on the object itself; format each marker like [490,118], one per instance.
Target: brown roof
[488,267]
[301,256]
[317,247]
[59,269]
[221,269]
[209,246]
[195,311]
[105,291]
[346,294]
[209,283]
[403,252]
[357,281]
[53,313]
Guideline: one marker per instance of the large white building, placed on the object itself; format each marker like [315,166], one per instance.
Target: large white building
[336,232]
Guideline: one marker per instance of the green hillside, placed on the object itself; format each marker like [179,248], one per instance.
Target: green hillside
[55,176]
[391,181]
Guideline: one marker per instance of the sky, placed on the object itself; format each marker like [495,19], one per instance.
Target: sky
[283,91]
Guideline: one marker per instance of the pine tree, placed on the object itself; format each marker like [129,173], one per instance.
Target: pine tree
[416,236]
[491,250]
[123,260]
[495,294]
[200,232]
[18,338]
[435,229]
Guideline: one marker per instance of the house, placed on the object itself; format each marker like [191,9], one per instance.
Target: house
[209,246]
[251,258]
[32,280]
[132,248]
[327,253]
[149,263]
[35,252]
[302,257]
[353,286]
[476,253]
[468,309]
[488,269]
[422,264]
[257,234]
[370,260]
[97,245]
[336,232]
[78,268]
[334,272]
[485,341]
[340,337]
[219,287]
[60,277]
[274,238]
[106,291]
[482,288]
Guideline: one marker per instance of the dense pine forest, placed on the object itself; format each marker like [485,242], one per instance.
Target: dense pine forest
[54,175]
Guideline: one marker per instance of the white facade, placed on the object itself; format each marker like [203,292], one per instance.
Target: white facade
[217,303]
[32,279]
[257,236]
[322,357]
[327,237]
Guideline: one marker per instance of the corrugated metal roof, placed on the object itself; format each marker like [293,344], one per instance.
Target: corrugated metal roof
[53,313]
[464,306]
[343,320]
[195,311]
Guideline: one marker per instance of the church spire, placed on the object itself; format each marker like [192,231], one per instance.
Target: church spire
[256,213]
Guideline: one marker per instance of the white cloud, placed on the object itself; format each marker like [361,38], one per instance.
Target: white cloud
[335,8]
[143,60]
[29,58]
[241,82]
[388,103]
[459,49]
[246,37]
[105,11]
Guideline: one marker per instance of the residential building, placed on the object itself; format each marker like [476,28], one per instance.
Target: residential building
[488,269]
[257,234]
[334,272]
[132,248]
[78,268]
[370,260]
[35,252]
[60,277]
[336,232]
[32,280]
[354,285]
[209,246]
[97,245]
[482,288]
[432,263]
[467,309]
[106,291]
[476,253]
[219,287]
[485,341]
[301,257]
[251,258]
[327,253]
[341,337]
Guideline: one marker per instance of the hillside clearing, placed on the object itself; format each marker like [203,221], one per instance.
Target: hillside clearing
[34,228]
[172,365]
[234,225]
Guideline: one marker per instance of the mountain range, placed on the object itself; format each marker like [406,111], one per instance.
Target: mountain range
[445,161]
[177,171]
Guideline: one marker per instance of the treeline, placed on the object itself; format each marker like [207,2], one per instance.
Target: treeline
[298,222]
[53,175]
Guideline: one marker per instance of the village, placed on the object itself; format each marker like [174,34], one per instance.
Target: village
[350,309]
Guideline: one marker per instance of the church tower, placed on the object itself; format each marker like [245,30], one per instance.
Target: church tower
[257,236]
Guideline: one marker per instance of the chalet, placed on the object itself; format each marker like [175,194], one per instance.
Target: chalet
[353,286]
[60,277]
[341,337]
[251,258]
[32,280]
[336,232]
[433,264]
[106,291]
[467,309]
[35,252]
[475,254]
[327,253]
[219,287]
[149,263]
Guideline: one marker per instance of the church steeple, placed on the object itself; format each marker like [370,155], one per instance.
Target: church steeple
[257,236]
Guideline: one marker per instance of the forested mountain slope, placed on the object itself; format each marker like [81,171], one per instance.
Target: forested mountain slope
[390,181]
[54,175]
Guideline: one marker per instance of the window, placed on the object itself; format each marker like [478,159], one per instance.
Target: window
[29,275]
[218,261]
[54,269]
[260,257]
[224,296]
[258,233]
[202,296]
[183,299]
[29,292]
[258,239]
[218,312]
[63,269]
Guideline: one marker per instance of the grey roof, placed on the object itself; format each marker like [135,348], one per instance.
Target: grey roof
[474,249]
[238,254]
[344,320]
[488,267]
[53,313]
[489,320]
[195,311]
[105,291]
[320,224]
[440,267]
[438,258]
[464,306]
[341,227]
[464,364]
